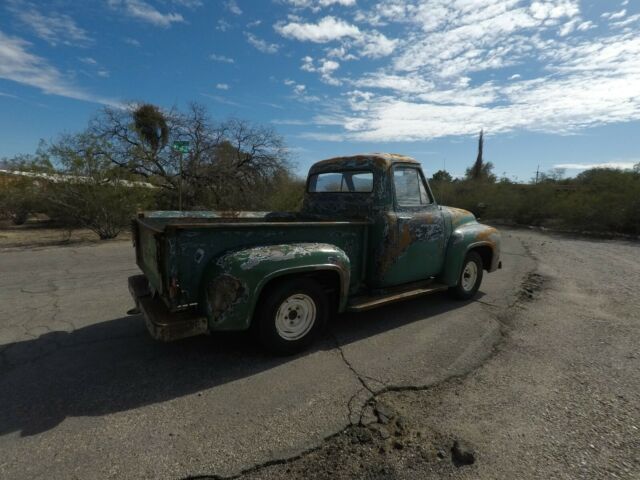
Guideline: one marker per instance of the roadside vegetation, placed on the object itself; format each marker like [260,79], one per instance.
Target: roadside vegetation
[597,201]
[125,161]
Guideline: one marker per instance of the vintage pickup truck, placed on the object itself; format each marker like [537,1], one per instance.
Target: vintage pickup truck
[369,233]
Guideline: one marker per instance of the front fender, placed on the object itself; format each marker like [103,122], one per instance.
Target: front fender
[464,238]
[232,283]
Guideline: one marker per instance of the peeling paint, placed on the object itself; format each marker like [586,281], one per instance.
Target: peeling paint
[220,260]
[222,293]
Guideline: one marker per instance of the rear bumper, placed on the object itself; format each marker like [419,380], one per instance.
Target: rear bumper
[162,324]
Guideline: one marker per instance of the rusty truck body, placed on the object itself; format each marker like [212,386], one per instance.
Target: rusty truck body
[369,233]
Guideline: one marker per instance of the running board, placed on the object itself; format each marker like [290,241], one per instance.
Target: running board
[360,304]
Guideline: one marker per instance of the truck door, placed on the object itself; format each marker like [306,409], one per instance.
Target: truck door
[414,238]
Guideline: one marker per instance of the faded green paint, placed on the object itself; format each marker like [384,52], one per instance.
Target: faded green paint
[246,272]
[220,261]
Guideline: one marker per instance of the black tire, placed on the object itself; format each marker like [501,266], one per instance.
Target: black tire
[459,291]
[298,292]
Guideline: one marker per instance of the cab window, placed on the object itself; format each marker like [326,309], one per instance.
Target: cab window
[349,182]
[410,188]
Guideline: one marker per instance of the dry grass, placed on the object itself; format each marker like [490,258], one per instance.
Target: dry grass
[40,233]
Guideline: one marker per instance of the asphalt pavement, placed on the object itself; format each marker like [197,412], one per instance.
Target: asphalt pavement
[86,393]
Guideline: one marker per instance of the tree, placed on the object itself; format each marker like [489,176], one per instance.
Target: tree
[89,190]
[481,170]
[226,161]
[20,195]
[442,176]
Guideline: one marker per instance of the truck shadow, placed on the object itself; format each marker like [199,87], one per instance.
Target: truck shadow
[115,366]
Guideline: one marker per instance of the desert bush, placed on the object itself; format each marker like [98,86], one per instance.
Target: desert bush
[18,199]
[598,200]
[90,191]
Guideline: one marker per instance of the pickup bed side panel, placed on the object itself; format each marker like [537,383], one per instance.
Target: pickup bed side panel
[232,284]
[191,250]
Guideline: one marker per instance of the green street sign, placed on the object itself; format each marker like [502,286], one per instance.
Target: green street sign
[181,146]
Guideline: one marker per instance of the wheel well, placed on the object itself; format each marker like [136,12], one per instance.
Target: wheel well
[328,279]
[486,253]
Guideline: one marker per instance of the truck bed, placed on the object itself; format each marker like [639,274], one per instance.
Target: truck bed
[173,249]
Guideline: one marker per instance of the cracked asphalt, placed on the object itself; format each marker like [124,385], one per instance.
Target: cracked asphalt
[85,393]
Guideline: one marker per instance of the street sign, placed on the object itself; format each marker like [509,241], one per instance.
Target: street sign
[181,146]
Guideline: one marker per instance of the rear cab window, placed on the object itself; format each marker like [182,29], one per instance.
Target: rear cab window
[341,182]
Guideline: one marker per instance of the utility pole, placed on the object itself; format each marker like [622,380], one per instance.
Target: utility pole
[537,174]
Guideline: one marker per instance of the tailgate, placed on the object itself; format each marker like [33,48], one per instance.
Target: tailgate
[148,245]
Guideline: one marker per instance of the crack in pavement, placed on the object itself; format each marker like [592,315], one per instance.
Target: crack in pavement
[532,282]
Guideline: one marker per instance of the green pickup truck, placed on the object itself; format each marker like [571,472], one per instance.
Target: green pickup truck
[369,233]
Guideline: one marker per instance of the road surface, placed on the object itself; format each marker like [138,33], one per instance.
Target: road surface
[85,393]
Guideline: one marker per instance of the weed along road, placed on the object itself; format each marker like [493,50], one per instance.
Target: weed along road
[86,393]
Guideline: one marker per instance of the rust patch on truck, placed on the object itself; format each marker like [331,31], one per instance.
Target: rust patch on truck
[222,293]
[402,234]
[485,235]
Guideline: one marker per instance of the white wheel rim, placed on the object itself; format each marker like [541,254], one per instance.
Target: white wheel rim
[295,316]
[469,276]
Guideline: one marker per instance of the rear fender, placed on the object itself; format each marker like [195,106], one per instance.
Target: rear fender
[232,284]
[465,238]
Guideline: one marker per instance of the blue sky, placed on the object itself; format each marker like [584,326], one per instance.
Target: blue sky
[552,82]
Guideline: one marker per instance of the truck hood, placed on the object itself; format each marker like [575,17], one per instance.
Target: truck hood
[459,216]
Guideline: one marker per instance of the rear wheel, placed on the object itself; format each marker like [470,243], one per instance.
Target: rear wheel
[470,277]
[291,315]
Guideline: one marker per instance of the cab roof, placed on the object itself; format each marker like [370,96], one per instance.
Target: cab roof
[381,161]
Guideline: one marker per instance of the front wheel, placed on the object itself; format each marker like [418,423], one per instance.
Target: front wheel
[291,315]
[470,277]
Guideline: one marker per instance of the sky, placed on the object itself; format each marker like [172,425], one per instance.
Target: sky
[554,83]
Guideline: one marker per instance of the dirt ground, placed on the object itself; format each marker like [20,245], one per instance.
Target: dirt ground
[559,398]
[36,233]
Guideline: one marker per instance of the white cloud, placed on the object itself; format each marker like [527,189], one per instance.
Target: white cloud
[255,23]
[627,21]
[369,44]
[262,45]
[188,3]
[327,29]
[429,87]
[54,28]
[233,7]
[615,15]
[589,166]
[376,45]
[341,53]
[132,41]
[307,64]
[325,68]
[300,91]
[145,12]
[316,5]
[19,65]
[221,58]
[222,86]
[222,25]
[543,10]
